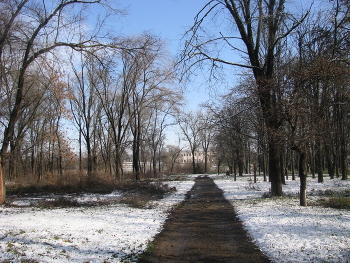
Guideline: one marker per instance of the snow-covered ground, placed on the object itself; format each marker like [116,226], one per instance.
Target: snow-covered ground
[285,231]
[113,233]
[281,228]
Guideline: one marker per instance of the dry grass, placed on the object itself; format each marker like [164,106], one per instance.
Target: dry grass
[338,202]
[139,193]
[134,193]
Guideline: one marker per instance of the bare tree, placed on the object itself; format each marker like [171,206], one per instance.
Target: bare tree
[149,74]
[260,26]
[206,133]
[190,126]
[39,126]
[86,106]
[114,94]
[172,154]
[32,29]
[233,120]
[162,111]
[340,12]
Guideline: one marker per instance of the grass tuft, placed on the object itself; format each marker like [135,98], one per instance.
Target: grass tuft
[337,202]
[146,253]
[62,202]
[137,194]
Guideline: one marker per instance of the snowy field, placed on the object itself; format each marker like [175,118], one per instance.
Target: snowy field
[116,233]
[282,229]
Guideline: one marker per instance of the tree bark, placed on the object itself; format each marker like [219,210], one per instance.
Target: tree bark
[194,170]
[205,160]
[319,164]
[293,167]
[302,175]
[2,184]
[274,168]
[136,157]
[343,163]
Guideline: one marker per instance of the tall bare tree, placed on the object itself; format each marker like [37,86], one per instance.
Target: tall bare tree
[260,26]
[234,119]
[206,133]
[190,127]
[29,30]
[150,77]
[314,82]
[162,111]
[86,106]
[114,94]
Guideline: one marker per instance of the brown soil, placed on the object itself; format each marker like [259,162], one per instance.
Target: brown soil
[204,228]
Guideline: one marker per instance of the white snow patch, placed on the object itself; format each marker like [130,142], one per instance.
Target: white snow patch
[285,231]
[282,229]
[92,234]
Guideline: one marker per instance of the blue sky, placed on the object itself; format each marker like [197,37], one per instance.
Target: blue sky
[167,19]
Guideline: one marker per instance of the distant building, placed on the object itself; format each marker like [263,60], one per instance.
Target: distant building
[199,156]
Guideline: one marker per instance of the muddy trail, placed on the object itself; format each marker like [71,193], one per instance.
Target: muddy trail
[203,228]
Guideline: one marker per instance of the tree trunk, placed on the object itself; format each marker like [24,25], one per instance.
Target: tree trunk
[313,163]
[282,167]
[136,147]
[136,159]
[118,167]
[89,160]
[270,113]
[274,167]
[331,165]
[302,175]
[206,161]
[2,184]
[319,164]
[343,162]
[219,163]
[154,162]
[264,167]
[59,160]
[336,169]
[12,161]
[240,167]
[247,165]
[292,164]
[193,163]
[343,145]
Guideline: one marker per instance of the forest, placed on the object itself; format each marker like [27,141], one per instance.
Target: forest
[77,101]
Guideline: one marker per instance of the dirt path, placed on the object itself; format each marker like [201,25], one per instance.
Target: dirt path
[204,228]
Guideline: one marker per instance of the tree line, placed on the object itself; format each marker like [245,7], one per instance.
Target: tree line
[291,105]
[59,70]
[289,109]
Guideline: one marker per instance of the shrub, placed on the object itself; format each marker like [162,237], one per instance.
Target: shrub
[58,202]
[156,190]
[337,202]
[138,194]
[135,200]
[135,193]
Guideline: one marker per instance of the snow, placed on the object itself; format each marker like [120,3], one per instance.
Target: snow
[91,234]
[282,229]
[285,231]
